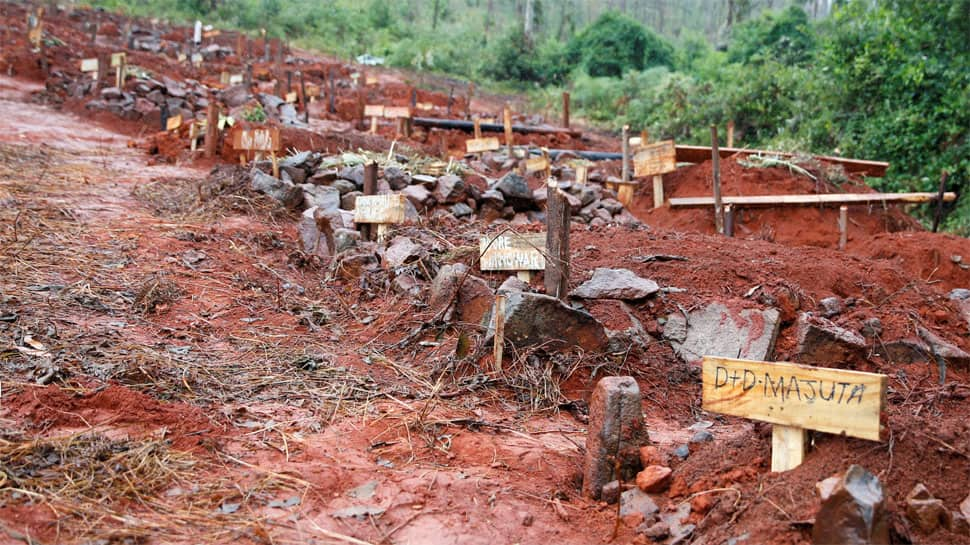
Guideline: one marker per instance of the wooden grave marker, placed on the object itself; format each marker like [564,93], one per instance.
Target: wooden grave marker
[90,66]
[795,398]
[382,210]
[119,61]
[291,97]
[35,28]
[403,116]
[260,141]
[173,122]
[373,111]
[655,160]
[479,145]
[510,251]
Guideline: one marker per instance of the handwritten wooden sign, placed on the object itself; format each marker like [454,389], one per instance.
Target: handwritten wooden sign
[211,34]
[425,106]
[373,110]
[537,164]
[117,59]
[291,97]
[478,145]
[197,59]
[236,79]
[512,252]
[380,209]
[397,112]
[829,400]
[173,122]
[655,159]
[262,140]
[89,65]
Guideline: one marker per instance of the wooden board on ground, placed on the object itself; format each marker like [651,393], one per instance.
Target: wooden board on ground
[813,199]
[512,252]
[397,112]
[380,209]
[89,65]
[828,400]
[262,140]
[654,159]
[478,145]
[173,122]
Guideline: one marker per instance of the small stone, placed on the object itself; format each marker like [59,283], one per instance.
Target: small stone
[343,186]
[854,513]
[450,189]
[651,456]
[419,195]
[461,210]
[287,193]
[831,306]
[516,191]
[702,436]
[871,327]
[636,506]
[527,519]
[823,343]
[927,512]
[657,531]
[513,283]
[682,452]
[349,200]
[654,478]
[611,492]
[615,284]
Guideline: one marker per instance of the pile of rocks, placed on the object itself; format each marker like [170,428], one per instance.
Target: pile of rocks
[145,97]
[238,99]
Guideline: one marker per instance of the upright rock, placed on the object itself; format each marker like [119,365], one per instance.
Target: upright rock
[616,433]
[926,512]
[460,295]
[516,191]
[290,195]
[821,342]
[719,331]
[532,319]
[853,510]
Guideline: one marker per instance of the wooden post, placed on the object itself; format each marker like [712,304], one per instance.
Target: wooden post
[289,81]
[478,128]
[843,226]
[451,99]
[939,201]
[730,134]
[370,188]
[499,338]
[557,242]
[658,191]
[565,109]
[716,159]
[507,121]
[265,45]
[729,220]
[248,78]
[276,164]
[468,101]
[104,61]
[304,102]
[414,98]
[787,447]
[94,32]
[122,72]
[163,115]
[240,44]
[625,172]
[211,129]
[249,49]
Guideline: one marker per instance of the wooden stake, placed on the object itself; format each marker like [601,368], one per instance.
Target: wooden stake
[507,121]
[843,226]
[525,276]
[478,128]
[658,191]
[557,242]
[193,136]
[625,176]
[370,188]
[211,129]
[382,230]
[276,164]
[716,159]
[289,81]
[644,137]
[248,78]
[103,64]
[240,44]
[730,134]
[499,338]
[333,92]
[787,447]
[451,99]
[565,109]
[468,101]
[729,220]
[939,201]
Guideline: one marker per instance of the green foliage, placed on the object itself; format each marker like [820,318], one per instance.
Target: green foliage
[615,44]
[254,114]
[786,37]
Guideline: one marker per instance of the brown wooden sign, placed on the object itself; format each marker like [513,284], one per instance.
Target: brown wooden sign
[537,164]
[117,59]
[374,110]
[512,252]
[89,65]
[397,112]
[655,159]
[478,145]
[380,209]
[263,140]
[173,122]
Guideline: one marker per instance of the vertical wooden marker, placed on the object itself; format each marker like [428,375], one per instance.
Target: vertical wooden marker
[468,100]
[843,226]
[625,172]
[507,121]
[557,242]
[499,339]
[304,103]
[716,159]
[787,447]
[730,134]
[211,129]
[658,191]
[370,188]
[729,220]
[333,91]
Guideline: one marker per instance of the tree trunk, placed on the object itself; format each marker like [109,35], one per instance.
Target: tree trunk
[527,27]
[434,19]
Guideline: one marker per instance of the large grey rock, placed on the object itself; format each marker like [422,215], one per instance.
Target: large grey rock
[270,102]
[717,330]
[456,294]
[345,239]
[615,284]
[513,283]
[612,206]
[402,251]
[929,347]
[286,192]
[418,195]
[297,160]
[344,186]
[822,343]
[354,174]
[638,504]
[450,189]
[493,198]
[323,196]
[853,510]
[461,210]
[532,319]
[516,191]
[236,96]
[615,434]
[297,174]
[397,178]
[961,298]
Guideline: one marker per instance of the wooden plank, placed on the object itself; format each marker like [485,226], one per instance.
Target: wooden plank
[655,159]
[499,339]
[374,110]
[537,164]
[512,252]
[829,400]
[89,65]
[699,154]
[478,145]
[832,199]
[389,208]
[173,122]
[263,140]
[117,59]
[397,112]
[787,447]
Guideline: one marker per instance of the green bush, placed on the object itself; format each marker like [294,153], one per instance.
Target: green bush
[615,44]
